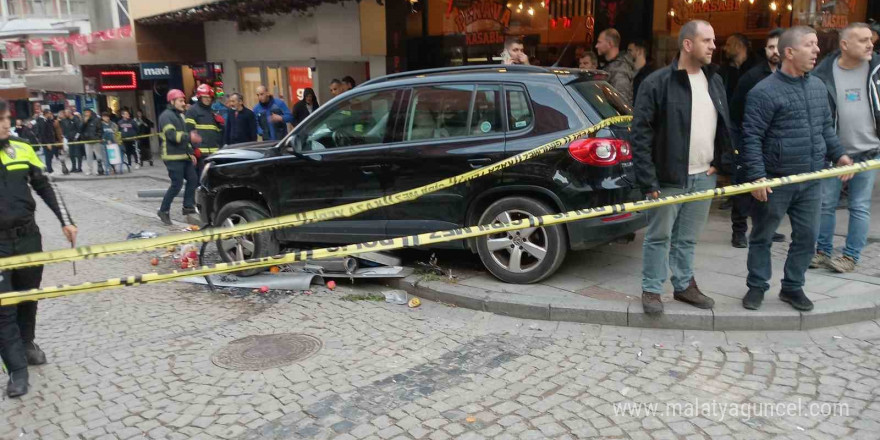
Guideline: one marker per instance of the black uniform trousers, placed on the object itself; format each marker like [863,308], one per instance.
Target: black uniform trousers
[17,322]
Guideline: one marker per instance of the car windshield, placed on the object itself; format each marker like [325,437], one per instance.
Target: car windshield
[599,97]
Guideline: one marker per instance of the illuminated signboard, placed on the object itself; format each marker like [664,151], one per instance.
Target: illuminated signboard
[119,80]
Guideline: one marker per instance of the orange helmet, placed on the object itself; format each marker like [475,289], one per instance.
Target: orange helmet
[204,90]
[174,94]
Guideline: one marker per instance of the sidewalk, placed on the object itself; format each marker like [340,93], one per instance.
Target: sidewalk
[603,286]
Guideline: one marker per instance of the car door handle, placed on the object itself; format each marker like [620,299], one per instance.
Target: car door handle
[371,169]
[480,162]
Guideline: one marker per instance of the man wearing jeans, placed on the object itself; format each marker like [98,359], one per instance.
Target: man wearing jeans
[787,129]
[851,79]
[679,130]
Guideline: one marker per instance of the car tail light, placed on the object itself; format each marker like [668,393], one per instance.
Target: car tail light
[600,151]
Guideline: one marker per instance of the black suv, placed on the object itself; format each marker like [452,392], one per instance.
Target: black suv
[406,130]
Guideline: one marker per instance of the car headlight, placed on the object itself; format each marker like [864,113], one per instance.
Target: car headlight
[204,175]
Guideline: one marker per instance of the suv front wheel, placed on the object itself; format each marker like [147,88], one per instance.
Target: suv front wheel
[525,256]
[244,247]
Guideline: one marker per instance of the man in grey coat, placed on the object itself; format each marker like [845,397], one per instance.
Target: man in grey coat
[620,66]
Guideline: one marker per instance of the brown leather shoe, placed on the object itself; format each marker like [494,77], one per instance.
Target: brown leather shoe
[651,303]
[694,297]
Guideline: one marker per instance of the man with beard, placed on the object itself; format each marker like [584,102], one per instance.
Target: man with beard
[742,204]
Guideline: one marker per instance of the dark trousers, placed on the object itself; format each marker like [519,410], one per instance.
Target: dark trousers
[76,162]
[49,153]
[18,322]
[178,171]
[740,212]
[130,151]
[146,153]
[802,202]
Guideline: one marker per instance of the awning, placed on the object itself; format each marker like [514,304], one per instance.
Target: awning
[13,94]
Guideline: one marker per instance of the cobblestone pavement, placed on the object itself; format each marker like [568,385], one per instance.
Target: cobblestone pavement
[136,363]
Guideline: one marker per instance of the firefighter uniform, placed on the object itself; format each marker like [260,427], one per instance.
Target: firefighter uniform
[21,170]
[209,125]
[177,154]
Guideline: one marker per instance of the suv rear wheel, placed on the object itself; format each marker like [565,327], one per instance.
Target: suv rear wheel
[244,247]
[524,256]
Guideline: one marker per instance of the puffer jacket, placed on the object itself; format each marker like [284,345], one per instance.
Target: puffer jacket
[825,72]
[91,129]
[173,136]
[787,128]
[621,72]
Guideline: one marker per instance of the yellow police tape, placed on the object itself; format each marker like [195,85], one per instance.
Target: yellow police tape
[290,220]
[430,237]
[142,136]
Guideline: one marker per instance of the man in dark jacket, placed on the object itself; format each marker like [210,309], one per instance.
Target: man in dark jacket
[179,157]
[145,126]
[92,131]
[272,116]
[128,129]
[208,124]
[305,106]
[742,204]
[638,51]
[70,127]
[787,129]
[852,78]
[739,61]
[241,125]
[679,131]
[619,66]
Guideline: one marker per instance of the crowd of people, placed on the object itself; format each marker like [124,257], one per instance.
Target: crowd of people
[73,137]
[752,120]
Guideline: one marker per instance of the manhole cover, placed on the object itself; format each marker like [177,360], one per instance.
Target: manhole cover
[261,352]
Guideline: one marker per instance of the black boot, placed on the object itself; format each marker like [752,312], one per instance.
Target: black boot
[33,353]
[18,383]
[797,298]
[753,299]
[165,217]
[739,240]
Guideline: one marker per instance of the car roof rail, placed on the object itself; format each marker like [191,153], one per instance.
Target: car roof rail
[453,69]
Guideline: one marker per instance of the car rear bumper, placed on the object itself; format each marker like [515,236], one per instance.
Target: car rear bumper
[586,234]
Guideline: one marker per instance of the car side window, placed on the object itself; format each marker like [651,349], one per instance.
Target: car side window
[486,117]
[360,120]
[519,115]
[438,112]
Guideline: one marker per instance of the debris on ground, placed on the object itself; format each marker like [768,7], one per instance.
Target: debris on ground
[364,297]
[295,281]
[433,268]
[331,285]
[415,302]
[141,235]
[399,297]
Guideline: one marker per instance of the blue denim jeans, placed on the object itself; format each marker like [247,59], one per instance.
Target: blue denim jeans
[802,203]
[859,196]
[178,171]
[672,236]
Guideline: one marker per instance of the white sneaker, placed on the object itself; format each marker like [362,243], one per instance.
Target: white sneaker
[88,173]
[137,166]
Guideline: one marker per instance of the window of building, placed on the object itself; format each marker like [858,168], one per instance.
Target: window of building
[122,12]
[360,120]
[51,58]
[12,66]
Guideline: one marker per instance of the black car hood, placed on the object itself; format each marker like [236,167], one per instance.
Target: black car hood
[245,151]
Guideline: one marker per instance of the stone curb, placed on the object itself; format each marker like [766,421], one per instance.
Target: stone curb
[63,178]
[771,317]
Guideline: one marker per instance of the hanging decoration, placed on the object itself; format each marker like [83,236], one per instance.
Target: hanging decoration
[35,47]
[59,43]
[14,50]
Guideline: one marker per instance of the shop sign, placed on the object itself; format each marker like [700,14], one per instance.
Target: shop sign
[119,80]
[483,22]
[155,71]
[688,10]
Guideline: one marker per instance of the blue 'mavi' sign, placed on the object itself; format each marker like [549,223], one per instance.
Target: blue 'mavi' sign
[155,71]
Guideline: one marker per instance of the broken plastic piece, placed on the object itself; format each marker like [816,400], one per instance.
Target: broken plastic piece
[398,297]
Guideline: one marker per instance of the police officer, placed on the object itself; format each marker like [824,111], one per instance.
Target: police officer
[179,157]
[208,124]
[19,234]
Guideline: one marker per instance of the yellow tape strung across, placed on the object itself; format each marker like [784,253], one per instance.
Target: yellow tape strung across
[290,220]
[97,141]
[428,238]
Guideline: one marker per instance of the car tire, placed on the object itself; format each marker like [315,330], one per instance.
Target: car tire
[245,247]
[540,250]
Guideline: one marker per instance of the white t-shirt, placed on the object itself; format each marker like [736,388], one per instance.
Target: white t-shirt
[704,122]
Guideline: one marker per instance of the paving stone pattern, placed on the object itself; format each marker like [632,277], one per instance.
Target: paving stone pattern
[135,363]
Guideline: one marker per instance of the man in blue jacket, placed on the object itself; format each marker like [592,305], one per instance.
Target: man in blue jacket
[272,116]
[241,125]
[787,129]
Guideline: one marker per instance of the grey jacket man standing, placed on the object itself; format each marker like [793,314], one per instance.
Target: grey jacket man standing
[620,66]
